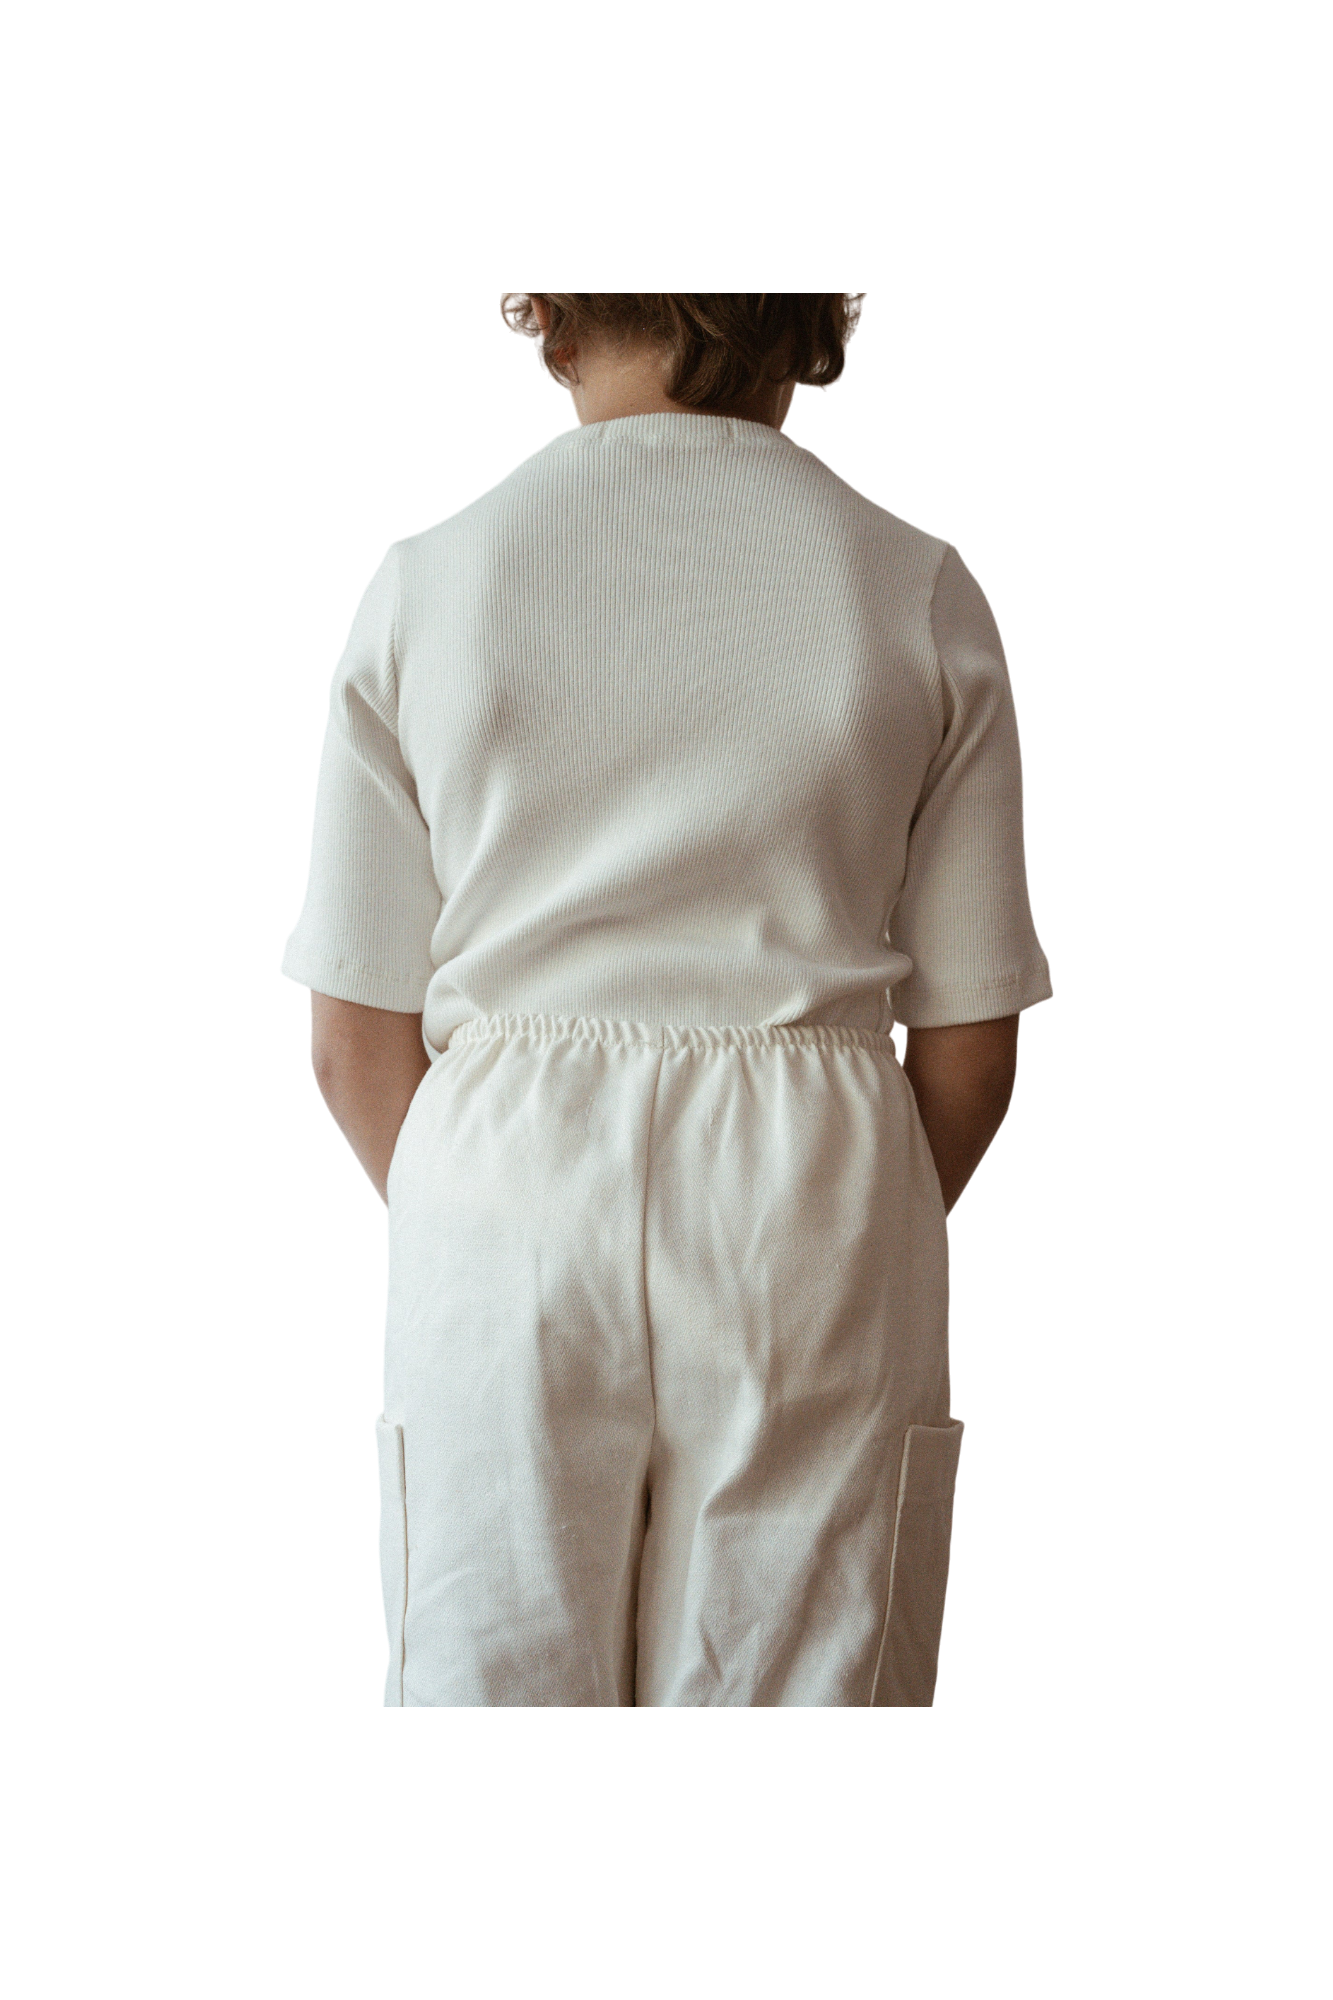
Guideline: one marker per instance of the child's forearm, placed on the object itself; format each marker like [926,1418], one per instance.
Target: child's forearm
[369,1099]
[962,1078]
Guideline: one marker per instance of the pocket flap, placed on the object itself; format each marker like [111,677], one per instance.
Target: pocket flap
[393,1550]
[919,1570]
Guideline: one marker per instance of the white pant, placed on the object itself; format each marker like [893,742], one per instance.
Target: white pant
[666,1408]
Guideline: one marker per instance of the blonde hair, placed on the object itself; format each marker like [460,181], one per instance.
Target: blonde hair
[715,347]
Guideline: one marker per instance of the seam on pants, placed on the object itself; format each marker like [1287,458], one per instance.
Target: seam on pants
[643,1232]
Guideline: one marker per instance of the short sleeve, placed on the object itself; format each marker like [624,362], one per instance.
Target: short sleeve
[372,900]
[962,916]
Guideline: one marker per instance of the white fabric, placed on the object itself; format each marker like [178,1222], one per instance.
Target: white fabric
[664,1306]
[672,726]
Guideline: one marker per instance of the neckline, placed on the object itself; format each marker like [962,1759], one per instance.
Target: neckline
[673,427]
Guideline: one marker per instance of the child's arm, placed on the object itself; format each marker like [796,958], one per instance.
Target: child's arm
[368,1063]
[962,1078]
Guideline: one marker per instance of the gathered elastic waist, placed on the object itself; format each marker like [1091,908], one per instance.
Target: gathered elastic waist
[665,1037]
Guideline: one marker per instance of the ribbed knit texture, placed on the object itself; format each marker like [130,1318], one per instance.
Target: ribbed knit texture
[672,726]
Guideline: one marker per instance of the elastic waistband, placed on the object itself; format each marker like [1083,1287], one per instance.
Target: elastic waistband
[642,1035]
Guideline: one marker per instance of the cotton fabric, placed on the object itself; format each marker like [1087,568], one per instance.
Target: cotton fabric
[672,726]
[666,1415]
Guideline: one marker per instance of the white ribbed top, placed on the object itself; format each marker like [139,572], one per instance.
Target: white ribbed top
[672,726]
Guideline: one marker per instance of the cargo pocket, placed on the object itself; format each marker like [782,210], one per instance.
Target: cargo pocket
[393,1551]
[919,1568]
